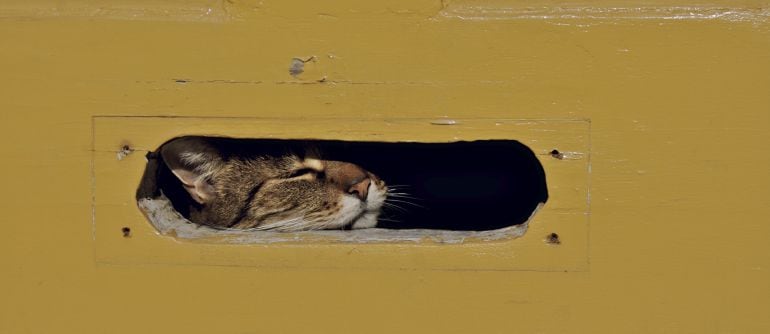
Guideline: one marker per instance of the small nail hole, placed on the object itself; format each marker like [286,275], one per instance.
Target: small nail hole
[553,239]
[126,232]
[556,154]
[124,151]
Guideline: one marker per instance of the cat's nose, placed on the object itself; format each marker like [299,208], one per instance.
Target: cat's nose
[349,178]
[361,188]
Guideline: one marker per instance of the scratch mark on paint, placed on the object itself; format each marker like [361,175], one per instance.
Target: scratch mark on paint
[444,121]
[612,14]
[327,16]
[215,81]
[189,11]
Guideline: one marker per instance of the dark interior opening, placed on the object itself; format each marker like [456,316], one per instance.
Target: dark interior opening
[464,186]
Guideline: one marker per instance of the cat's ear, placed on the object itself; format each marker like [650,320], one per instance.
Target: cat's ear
[193,160]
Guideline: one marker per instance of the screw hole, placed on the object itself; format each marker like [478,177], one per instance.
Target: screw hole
[126,232]
[553,239]
[124,151]
[556,154]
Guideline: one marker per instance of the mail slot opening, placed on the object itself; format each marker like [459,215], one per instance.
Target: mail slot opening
[286,185]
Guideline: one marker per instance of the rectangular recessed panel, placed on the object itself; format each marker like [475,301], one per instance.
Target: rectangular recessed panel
[117,173]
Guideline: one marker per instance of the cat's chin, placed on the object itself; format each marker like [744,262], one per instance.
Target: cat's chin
[366,220]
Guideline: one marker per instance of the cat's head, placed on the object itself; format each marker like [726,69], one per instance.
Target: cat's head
[281,192]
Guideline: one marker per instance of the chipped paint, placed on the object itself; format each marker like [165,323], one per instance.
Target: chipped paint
[297,66]
[443,121]
[124,151]
[599,13]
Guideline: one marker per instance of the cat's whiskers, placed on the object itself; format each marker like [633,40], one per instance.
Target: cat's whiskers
[397,187]
[404,196]
[391,205]
[389,220]
[401,194]
[404,202]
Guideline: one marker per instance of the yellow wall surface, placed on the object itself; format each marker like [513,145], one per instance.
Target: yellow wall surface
[664,105]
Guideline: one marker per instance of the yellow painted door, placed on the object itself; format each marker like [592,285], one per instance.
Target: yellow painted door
[661,203]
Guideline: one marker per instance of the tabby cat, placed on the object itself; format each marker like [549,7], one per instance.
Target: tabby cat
[279,191]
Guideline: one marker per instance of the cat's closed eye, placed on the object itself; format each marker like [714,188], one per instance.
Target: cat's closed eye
[315,173]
